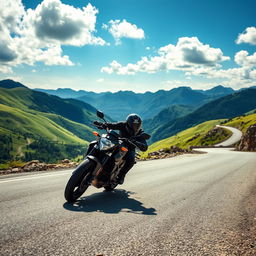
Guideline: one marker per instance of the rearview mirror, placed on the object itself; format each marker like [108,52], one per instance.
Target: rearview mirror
[145,136]
[100,114]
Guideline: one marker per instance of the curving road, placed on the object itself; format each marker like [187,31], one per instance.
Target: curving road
[188,205]
[235,137]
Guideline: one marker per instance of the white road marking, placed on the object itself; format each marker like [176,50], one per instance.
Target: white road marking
[35,177]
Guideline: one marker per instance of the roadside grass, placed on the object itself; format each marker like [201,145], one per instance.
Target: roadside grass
[242,122]
[194,136]
[12,164]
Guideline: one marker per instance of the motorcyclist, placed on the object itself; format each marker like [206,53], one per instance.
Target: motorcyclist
[130,129]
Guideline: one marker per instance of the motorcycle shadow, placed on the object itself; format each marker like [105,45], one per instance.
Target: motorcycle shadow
[113,202]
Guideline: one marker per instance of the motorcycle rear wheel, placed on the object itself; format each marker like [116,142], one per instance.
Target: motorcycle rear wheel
[79,181]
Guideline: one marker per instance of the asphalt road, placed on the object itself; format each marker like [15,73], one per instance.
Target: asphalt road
[188,205]
[235,137]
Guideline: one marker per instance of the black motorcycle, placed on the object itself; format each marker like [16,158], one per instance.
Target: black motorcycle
[101,165]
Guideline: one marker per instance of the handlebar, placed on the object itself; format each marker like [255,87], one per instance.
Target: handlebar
[120,138]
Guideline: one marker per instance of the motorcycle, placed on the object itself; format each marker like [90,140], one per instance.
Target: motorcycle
[102,164]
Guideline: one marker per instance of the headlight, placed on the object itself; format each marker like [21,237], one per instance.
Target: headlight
[106,144]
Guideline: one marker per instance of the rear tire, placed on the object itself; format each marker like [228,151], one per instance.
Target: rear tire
[74,189]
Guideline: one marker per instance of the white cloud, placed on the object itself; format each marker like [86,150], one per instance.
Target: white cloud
[248,36]
[242,58]
[188,54]
[5,69]
[11,12]
[195,59]
[37,35]
[53,56]
[100,80]
[53,21]
[120,29]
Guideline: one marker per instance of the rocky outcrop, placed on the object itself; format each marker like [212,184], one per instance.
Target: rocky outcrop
[248,141]
[36,166]
[169,152]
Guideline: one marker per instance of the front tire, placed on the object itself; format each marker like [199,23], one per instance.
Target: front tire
[79,181]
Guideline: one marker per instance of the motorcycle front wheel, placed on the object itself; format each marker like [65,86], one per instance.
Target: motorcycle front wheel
[79,181]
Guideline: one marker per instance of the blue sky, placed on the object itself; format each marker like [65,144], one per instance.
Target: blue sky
[116,45]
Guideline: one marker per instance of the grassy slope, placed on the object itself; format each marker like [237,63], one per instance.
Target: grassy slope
[18,121]
[30,101]
[166,115]
[242,122]
[80,130]
[27,116]
[24,128]
[182,138]
[229,106]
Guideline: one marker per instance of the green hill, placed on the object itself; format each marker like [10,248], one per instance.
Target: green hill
[229,106]
[166,115]
[35,125]
[242,122]
[9,84]
[195,136]
[28,100]
[38,136]
[199,135]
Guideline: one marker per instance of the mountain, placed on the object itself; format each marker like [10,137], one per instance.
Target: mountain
[36,125]
[166,115]
[226,107]
[64,92]
[218,91]
[203,134]
[9,84]
[119,104]
[29,100]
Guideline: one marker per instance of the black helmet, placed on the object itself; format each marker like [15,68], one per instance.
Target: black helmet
[133,123]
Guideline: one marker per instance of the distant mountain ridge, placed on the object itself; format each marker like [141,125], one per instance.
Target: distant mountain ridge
[218,90]
[10,84]
[226,107]
[166,115]
[119,104]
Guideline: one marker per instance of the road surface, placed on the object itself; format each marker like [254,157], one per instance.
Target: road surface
[188,205]
[235,137]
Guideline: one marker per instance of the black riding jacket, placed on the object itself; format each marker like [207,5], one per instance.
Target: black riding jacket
[123,132]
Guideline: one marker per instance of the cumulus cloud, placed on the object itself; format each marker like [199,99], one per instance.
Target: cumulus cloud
[248,36]
[6,54]
[53,21]
[36,35]
[120,29]
[11,13]
[189,53]
[195,59]
[243,58]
